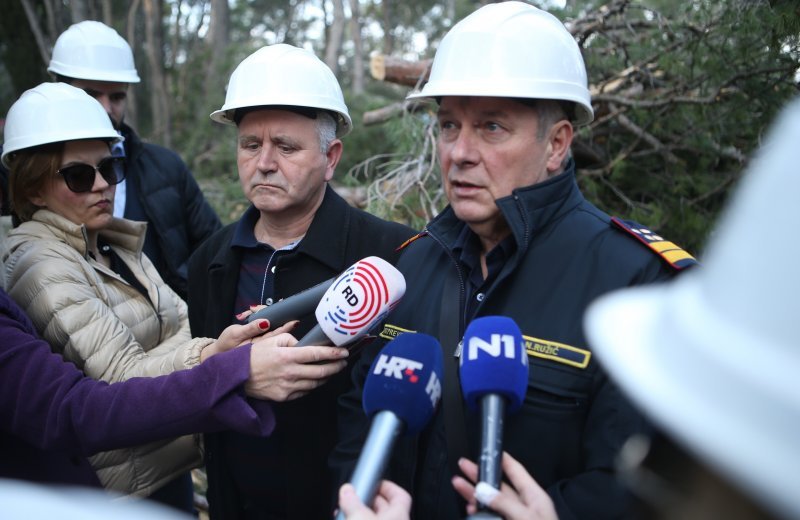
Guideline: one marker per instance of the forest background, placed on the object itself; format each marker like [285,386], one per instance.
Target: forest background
[683,90]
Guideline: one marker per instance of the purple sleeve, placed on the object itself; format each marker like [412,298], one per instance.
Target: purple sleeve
[52,405]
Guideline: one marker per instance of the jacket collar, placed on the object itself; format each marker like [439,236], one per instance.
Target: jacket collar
[527,210]
[326,239]
[132,143]
[126,234]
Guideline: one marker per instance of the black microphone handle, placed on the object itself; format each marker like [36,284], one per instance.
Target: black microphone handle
[493,407]
[315,336]
[293,307]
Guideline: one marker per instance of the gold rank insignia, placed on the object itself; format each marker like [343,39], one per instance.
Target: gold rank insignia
[408,242]
[391,331]
[558,352]
[671,253]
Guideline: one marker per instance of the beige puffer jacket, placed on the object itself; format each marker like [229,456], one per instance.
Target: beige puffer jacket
[106,327]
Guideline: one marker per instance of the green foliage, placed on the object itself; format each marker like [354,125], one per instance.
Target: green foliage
[697,83]
[682,92]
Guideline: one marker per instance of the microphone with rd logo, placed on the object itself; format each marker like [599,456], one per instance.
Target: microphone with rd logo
[358,299]
[401,392]
[494,375]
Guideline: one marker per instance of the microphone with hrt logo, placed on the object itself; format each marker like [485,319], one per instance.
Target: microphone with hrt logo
[358,299]
[401,392]
[494,373]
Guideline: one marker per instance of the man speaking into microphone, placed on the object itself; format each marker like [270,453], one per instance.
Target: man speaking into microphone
[288,115]
[508,85]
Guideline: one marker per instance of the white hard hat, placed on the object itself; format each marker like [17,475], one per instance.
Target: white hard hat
[52,113]
[23,499]
[510,49]
[284,75]
[713,357]
[92,50]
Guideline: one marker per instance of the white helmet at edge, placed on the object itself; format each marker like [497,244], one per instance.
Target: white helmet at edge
[712,356]
[285,75]
[92,50]
[52,113]
[511,49]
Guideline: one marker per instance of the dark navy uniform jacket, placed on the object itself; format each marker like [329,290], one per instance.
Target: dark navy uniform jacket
[565,252]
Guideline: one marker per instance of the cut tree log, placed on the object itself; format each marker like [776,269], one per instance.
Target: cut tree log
[399,71]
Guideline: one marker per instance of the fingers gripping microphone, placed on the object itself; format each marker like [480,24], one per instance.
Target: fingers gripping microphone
[400,393]
[494,373]
[293,307]
[358,299]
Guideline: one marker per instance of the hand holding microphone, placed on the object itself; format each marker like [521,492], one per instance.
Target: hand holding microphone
[494,375]
[523,499]
[401,392]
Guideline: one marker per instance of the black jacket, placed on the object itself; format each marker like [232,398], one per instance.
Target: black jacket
[573,420]
[339,236]
[179,218]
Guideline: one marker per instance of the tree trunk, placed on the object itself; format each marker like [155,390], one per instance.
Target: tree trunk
[388,26]
[159,100]
[78,10]
[219,30]
[217,40]
[108,12]
[358,51]
[132,110]
[335,33]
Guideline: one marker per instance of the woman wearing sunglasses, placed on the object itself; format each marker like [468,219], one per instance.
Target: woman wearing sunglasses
[80,274]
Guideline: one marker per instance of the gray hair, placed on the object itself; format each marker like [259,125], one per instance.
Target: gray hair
[326,129]
[550,112]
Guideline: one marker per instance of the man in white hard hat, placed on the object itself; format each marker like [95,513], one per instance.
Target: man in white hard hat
[158,187]
[712,358]
[518,239]
[290,116]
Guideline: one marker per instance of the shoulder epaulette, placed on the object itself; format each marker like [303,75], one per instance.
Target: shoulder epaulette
[671,253]
[407,242]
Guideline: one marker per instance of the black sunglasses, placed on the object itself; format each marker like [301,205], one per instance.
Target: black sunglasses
[80,177]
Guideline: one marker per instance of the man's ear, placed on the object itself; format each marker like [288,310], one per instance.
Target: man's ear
[559,142]
[333,155]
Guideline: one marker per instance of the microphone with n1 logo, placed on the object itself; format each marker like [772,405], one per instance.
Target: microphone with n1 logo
[494,373]
[359,298]
[401,392]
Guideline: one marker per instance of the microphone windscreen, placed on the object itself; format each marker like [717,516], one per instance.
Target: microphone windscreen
[359,298]
[494,361]
[406,379]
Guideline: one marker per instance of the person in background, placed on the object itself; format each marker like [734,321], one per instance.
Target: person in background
[712,358]
[80,275]
[158,187]
[518,239]
[289,115]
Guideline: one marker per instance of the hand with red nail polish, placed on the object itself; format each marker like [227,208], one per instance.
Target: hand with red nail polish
[244,314]
[236,335]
